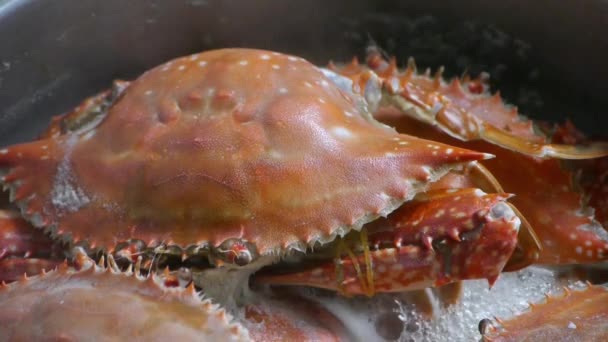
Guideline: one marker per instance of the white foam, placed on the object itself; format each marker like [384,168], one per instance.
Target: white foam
[66,195]
[511,294]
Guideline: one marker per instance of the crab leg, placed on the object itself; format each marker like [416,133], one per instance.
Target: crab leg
[4,199]
[590,175]
[449,294]
[545,195]
[484,237]
[576,315]
[292,318]
[88,113]
[462,109]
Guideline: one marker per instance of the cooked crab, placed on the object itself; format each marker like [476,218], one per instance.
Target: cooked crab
[233,160]
[578,314]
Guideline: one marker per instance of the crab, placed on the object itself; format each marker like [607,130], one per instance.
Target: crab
[577,314]
[238,166]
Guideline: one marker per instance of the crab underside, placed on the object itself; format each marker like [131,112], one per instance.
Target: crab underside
[244,178]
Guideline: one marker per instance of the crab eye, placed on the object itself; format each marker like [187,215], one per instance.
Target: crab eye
[234,251]
[485,326]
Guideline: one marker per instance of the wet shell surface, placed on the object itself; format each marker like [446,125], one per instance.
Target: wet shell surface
[98,302]
[226,144]
[575,315]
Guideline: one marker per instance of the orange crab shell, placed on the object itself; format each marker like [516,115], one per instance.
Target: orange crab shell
[14,268]
[20,239]
[23,249]
[465,114]
[67,304]
[91,300]
[544,194]
[576,315]
[227,144]
[462,109]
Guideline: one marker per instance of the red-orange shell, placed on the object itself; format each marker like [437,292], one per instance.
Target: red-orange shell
[576,315]
[97,302]
[543,193]
[230,143]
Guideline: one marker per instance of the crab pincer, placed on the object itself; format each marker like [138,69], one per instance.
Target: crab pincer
[464,113]
[548,194]
[437,238]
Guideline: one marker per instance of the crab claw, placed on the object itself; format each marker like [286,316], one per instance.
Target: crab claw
[546,197]
[463,109]
[434,215]
[481,252]
[454,185]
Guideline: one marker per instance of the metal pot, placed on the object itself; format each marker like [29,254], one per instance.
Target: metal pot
[546,56]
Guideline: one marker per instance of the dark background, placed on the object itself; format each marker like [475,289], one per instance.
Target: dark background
[548,57]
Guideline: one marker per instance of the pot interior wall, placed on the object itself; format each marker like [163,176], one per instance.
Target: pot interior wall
[545,56]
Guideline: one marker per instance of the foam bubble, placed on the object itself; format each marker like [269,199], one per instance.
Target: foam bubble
[511,295]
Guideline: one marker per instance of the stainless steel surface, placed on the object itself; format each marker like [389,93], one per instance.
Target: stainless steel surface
[548,56]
